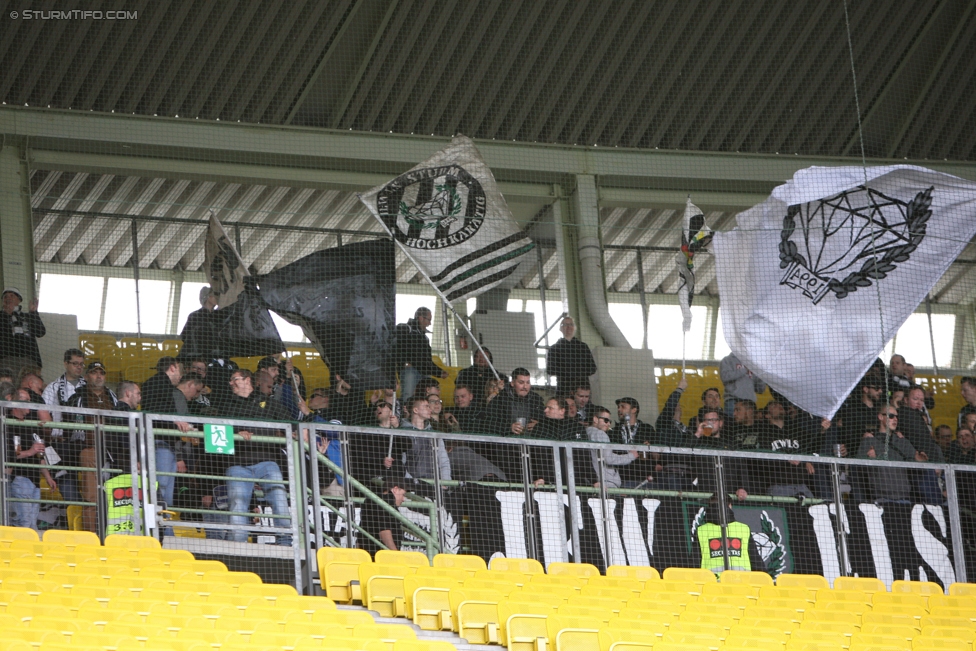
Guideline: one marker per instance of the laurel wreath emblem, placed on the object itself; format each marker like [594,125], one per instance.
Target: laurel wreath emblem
[918,211]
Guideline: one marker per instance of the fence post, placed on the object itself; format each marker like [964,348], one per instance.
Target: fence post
[347,488]
[135,476]
[955,526]
[841,517]
[556,453]
[604,507]
[529,508]
[574,515]
[723,500]
[435,520]
[4,481]
[101,503]
[149,457]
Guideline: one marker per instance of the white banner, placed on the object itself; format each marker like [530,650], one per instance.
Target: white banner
[448,214]
[818,278]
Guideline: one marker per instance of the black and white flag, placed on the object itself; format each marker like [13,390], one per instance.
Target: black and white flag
[695,236]
[449,216]
[819,277]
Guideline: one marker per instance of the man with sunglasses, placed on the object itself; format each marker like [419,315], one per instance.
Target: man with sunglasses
[597,432]
[888,484]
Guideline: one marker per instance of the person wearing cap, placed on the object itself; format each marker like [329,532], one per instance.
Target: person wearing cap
[19,332]
[569,359]
[631,430]
[95,395]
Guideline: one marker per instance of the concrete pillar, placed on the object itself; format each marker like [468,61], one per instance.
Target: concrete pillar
[16,226]
[571,292]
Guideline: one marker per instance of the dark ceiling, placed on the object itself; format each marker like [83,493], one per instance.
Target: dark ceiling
[737,75]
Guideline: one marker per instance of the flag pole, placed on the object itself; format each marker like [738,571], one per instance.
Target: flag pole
[438,292]
[928,311]
[684,335]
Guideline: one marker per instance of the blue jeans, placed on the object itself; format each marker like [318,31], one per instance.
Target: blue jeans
[166,462]
[239,497]
[24,514]
[409,377]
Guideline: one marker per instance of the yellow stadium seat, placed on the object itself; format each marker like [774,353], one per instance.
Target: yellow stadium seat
[759,610]
[733,610]
[878,639]
[522,565]
[261,639]
[578,639]
[849,596]
[477,615]
[638,572]
[198,567]
[388,632]
[872,622]
[741,591]
[940,644]
[339,572]
[71,539]
[955,589]
[711,619]
[431,609]
[940,620]
[601,614]
[808,581]
[390,557]
[414,583]
[87,640]
[10,534]
[610,636]
[960,632]
[953,610]
[787,592]
[832,616]
[573,569]
[859,583]
[422,645]
[268,591]
[305,604]
[565,580]
[467,562]
[512,611]
[952,601]
[509,578]
[616,583]
[676,646]
[701,640]
[917,587]
[38,549]
[757,579]
[754,643]
[807,639]
[622,594]
[847,627]
[785,627]
[628,646]
[132,543]
[691,574]
[914,600]
[382,588]
[609,602]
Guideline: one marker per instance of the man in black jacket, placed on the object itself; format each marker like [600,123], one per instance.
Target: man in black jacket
[412,352]
[252,462]
[157,391]
[631,430]
[569,359]
[19,332]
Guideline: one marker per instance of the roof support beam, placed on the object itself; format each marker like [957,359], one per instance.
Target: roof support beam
[299,150]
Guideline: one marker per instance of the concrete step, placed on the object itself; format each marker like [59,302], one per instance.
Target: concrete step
[438,636]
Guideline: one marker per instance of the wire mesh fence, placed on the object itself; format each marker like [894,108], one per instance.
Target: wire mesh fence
[559,501]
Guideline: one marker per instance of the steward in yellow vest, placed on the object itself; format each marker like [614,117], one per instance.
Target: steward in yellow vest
[737,543]
[118,494]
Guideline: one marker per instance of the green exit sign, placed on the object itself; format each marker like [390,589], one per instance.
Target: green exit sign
[218,439]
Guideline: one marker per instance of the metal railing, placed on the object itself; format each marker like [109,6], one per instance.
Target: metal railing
[549,500]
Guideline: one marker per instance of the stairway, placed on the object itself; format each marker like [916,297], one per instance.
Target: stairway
[438,636]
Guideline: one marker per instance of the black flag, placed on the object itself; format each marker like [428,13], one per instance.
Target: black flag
[244,328]
[344,299]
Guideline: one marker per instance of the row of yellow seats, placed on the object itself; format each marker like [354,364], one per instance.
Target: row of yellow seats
[444,607]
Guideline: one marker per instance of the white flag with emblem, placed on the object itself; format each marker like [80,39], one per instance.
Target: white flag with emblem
[449,215]
[816,280]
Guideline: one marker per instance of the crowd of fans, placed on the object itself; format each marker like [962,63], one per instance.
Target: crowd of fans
[886,417]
